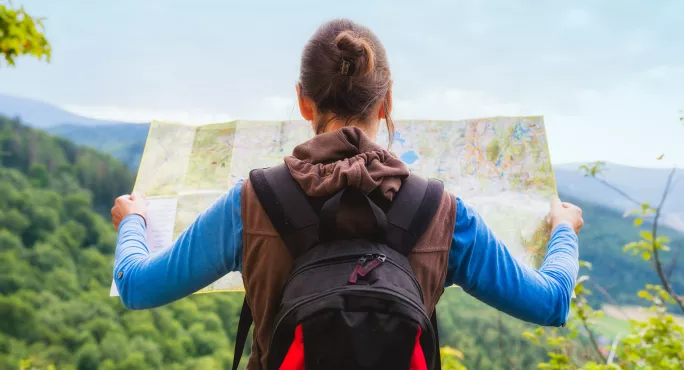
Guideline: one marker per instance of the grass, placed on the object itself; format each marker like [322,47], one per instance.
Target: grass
[610,327]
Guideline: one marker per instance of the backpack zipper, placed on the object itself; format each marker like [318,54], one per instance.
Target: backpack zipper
[329,262]
[356,289]
[359,268]
[360,261]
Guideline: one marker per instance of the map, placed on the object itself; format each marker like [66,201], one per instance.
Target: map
[500,166]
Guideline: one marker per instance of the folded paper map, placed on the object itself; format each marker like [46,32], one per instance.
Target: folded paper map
[500,166]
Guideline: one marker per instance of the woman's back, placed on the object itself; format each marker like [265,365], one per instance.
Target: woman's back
[266,260]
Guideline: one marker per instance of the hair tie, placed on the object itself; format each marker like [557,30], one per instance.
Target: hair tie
[347,67]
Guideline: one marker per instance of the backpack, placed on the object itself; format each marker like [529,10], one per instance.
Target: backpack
[352,300]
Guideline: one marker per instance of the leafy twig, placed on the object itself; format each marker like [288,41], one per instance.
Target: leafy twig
[585,323]
[656,257]
[617,190]
[597,169]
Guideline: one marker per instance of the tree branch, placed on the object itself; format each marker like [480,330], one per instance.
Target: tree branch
[610,299]
[656,256]
[617,190]
[594,343]
[673,264]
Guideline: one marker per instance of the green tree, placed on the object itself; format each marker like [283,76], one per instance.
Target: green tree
[21,34]
[88,357]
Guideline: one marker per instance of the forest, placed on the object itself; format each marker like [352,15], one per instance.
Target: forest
[56,254]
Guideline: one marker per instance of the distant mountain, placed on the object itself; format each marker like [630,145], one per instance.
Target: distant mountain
[642,184]
[42,115]
[125,141]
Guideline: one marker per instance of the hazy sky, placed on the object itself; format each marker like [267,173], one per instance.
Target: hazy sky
[607,76]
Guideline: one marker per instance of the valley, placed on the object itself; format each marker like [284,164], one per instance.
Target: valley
[56,248]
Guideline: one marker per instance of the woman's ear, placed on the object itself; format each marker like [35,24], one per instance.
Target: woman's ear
[305,104]
[387,103]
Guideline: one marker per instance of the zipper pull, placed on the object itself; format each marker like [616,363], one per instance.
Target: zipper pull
[379,259]
[362,261]
[354,277]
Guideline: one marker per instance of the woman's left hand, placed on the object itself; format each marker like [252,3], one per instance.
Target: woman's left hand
[127,205]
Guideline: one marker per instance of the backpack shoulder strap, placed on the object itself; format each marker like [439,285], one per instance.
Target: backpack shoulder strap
[411,212]
[433,322]
[287,206]
[244,324]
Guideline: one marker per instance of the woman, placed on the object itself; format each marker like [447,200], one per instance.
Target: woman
[345,91]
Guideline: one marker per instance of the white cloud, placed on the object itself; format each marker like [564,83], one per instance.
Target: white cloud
[268,108]
[278,107]
[454,104]
[478,27]
[638,42]
[618,125]
[575,19]
[117,113]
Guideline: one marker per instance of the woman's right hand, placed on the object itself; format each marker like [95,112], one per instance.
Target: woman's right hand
[126,205]
[565,213]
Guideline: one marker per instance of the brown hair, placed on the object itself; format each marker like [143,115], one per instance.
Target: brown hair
[345,71]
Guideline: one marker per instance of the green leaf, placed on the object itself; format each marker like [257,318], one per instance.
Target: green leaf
[647,235]
[661,157]
[645,295]
[663,239]
[646,256]
[630,246]
[20,34]
[585,264]
[634,212]
[638,221]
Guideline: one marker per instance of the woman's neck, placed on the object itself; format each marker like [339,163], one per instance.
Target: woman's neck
[369,127]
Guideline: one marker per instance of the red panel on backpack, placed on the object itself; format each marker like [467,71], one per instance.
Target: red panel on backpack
[294,360]
[418,358]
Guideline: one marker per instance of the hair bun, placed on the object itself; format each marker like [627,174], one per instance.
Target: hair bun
[356,51]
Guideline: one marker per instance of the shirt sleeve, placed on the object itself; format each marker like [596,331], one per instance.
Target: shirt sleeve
[209,249]
[482,265]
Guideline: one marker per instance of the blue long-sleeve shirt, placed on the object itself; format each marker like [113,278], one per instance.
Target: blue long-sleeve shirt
[478,262]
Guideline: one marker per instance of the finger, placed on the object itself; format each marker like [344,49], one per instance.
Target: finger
[575,208]
[122,199]
[555,203]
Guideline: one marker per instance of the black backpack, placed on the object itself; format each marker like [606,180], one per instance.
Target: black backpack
[352,300]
